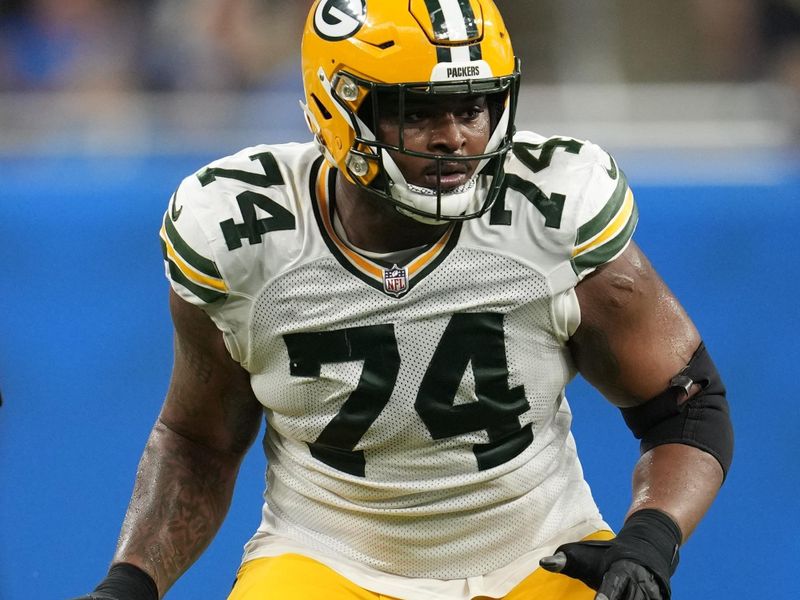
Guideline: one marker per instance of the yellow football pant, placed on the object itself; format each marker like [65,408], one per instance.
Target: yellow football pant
[296,577]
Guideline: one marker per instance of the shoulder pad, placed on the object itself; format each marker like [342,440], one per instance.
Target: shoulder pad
[218,210]
[583,184]
[607,214]
[188,256]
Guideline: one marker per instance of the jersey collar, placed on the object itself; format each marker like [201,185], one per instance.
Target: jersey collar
[390,278]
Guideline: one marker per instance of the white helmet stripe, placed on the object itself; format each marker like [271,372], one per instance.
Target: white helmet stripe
[460,54]
[454,19]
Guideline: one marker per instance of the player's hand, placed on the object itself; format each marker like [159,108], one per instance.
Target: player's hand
[636,565]
[619,580]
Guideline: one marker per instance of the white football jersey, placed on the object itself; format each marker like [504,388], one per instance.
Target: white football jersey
[416,419]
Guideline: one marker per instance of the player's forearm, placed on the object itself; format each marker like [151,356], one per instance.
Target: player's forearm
[182,493]
[679,480]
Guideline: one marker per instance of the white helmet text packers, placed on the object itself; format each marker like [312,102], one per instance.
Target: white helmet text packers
[364,56]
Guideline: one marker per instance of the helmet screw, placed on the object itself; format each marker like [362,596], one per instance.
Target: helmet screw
[348,90]
[357,165]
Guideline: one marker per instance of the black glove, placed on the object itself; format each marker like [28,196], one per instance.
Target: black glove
[635,565]
[124,582]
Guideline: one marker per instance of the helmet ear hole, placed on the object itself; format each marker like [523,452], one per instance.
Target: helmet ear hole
[378,104]
[321,107]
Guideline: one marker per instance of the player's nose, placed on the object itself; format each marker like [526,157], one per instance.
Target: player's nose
[447,135]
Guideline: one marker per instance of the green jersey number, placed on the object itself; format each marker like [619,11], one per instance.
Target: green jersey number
[475,338]
[376,345]
[551,206]
[252,228]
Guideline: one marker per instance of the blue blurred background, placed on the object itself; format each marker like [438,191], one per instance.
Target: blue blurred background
[104,107]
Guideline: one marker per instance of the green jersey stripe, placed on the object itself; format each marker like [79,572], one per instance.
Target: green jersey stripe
[192,258]
[609,250]
[590,229]
[205,294]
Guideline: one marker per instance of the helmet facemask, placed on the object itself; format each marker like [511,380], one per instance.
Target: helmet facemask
[370,165]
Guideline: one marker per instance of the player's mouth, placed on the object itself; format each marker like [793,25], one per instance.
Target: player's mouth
[453,174]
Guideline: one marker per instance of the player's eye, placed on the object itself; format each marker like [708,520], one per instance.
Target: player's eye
[417,111]
[471,113]
[416,114]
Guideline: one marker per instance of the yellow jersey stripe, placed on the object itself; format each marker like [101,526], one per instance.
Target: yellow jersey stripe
[354,257]
[612,229]
[361,263]
[190,273]
[426,257]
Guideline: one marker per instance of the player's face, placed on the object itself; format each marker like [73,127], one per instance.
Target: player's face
[444,125]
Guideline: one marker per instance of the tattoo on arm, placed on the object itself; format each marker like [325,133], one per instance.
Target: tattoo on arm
[185,479]
[181,496]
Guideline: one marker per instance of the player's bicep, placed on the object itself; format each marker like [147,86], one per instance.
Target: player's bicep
[209,400]
[634,335]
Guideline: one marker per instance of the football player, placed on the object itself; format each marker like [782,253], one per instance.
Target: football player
[405,299]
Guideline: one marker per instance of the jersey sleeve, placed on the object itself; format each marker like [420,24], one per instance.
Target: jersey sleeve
[192,269]
[213,236]
[606,217]
[188,258]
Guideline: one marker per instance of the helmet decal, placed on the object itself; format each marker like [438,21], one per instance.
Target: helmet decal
[459,71]
[336,20]
[452,20]
[459,53]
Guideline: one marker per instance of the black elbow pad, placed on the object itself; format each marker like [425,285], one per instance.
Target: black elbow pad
[702,421]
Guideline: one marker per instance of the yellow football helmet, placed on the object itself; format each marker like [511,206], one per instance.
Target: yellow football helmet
[354,51]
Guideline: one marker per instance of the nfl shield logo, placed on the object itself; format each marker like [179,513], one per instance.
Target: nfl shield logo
[395,281]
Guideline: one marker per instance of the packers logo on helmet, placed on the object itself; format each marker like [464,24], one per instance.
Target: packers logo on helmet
[339,19]
[363,60]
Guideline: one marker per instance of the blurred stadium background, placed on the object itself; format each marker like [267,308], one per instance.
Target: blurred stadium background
[105,106]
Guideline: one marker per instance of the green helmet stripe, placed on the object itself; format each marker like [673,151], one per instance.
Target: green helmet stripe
[436,13]
[475,52]
[469,18]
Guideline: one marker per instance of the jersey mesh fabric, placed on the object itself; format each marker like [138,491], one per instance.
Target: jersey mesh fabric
[423,508]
